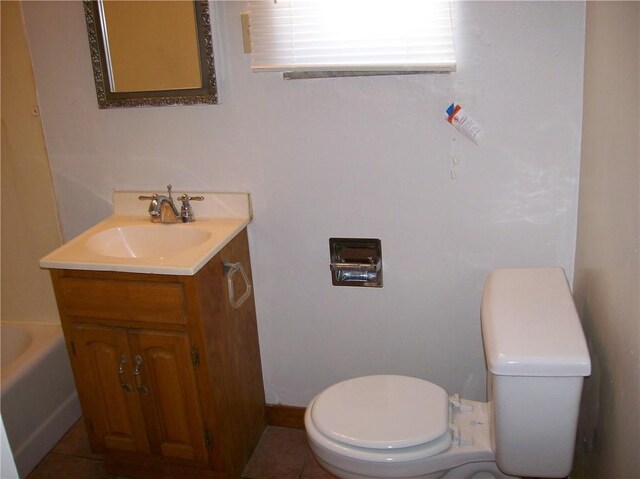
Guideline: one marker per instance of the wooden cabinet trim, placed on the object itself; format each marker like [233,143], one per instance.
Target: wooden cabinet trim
[142,302]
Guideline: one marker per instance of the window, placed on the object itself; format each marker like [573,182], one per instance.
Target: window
[351,36]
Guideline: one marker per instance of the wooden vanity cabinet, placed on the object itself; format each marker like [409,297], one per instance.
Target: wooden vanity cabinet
[168,371]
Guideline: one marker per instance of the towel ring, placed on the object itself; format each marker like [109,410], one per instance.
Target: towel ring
[230,269]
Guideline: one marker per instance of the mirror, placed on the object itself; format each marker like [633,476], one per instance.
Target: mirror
[151,53]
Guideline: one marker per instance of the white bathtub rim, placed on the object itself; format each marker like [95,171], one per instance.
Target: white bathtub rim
[31,437]
[29,454]
[24,363]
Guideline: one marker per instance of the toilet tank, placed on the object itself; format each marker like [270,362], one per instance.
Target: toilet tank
[537,359]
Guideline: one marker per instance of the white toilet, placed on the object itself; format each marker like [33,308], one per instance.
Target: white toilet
[403,427]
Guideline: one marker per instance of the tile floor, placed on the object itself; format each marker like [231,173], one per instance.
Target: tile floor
[282,453]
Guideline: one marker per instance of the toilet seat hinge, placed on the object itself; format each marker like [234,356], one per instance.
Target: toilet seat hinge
[455,434]
[456,402]
[456,437]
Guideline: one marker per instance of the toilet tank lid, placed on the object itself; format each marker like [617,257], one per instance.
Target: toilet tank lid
[530,326]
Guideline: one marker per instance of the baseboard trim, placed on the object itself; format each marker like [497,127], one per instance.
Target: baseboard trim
[285,416]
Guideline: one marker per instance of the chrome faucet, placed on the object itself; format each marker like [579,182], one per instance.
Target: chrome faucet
[163,210]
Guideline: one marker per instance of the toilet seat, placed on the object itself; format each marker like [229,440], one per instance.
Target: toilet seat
[381,419]
[471,449]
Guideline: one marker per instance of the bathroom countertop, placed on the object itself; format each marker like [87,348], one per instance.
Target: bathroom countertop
[219,218]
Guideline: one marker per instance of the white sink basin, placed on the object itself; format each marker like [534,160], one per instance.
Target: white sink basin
[128,242]
[146,241]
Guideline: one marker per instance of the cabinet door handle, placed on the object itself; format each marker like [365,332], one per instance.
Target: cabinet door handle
[230,270]
[123,360]
[136,374]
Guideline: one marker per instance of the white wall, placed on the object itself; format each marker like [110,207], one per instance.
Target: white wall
[29,222]
[350,157]
[607,279]
[29,218]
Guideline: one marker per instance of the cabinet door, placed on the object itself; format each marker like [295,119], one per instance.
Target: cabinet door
[169,395]
[104,379]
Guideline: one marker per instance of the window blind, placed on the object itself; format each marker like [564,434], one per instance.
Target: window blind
[351,35]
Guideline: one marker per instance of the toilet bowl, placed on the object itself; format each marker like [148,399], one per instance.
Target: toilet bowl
[399,426]
[389,426]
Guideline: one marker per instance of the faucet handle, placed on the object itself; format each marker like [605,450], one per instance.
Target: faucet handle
[186,213]
[186,198]
[153,206]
